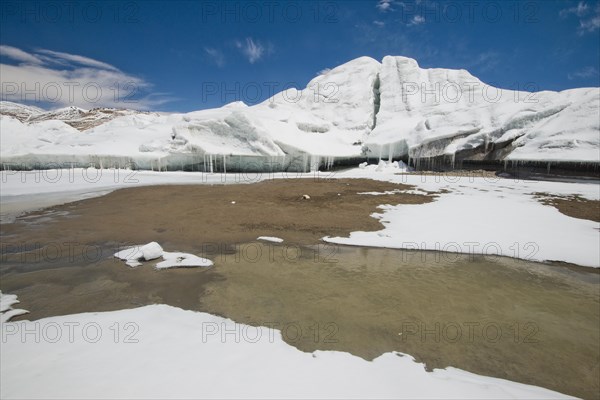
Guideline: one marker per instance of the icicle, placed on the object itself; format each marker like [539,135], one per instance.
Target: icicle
[329,164]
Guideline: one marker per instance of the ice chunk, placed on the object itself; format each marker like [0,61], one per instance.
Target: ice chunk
[6,310]
[270,239]
[133,255]
[151,251]
[381,166]
[182,260]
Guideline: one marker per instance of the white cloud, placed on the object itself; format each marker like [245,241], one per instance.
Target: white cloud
[323,71]
[416,20]
[70,59]
[580,10]
[486,61]
[584,73]
[253,50]
[384,5]
[589,20]
[379,23]
[65,79]
[589,25]
[216,56]
[19,55]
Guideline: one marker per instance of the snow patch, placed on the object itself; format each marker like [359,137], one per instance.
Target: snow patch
[6,310]
[173,353]
[182,260]
[270,239]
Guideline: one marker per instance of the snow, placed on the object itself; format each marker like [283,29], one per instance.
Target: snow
[151,251]
[362,108]
[20,111]
[6,310]
[133,255]
[159,351]
[182,260]
[270,239]
[483,216]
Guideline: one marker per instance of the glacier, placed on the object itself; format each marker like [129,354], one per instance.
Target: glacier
[359,111]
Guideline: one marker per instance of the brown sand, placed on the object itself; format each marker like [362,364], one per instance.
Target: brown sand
[573,206]
[189,216]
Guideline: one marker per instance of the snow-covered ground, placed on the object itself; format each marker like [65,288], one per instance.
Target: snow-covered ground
[484,216]
[159,352]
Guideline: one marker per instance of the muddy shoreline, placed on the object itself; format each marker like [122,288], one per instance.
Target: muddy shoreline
[188,215]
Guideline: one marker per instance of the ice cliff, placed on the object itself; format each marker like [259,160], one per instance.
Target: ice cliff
[361,109]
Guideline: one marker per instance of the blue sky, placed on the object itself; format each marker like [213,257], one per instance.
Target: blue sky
[183,56]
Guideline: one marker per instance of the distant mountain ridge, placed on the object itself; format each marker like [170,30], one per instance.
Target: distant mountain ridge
[76,117]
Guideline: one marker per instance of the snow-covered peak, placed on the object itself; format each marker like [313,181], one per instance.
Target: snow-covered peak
[21,112]
[340,99]
[235,105]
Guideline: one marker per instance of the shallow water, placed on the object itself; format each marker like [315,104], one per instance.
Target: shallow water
[528,322]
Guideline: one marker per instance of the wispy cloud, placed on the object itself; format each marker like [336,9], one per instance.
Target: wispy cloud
[589,25]
[216,56]
[385,5]
[323,71]
[64,79]
[486,61]
[589,18]
[252,49]
[416,20]
[580,10]
[58,57]
[19,55]
[584,73]
[411,15]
